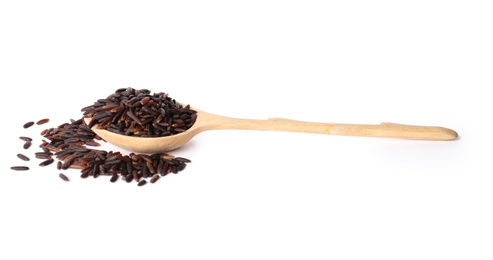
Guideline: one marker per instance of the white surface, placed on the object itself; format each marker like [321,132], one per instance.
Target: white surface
[257,195]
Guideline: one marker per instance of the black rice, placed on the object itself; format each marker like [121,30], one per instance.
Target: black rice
[63,177]
[127,111]
[43,155]
[139,113]
[47,162]
[93,162]
[19,168]
[28,124]
[25,138]
[114,177]
[43,121]
[22,157]
[154,178]
[27,145]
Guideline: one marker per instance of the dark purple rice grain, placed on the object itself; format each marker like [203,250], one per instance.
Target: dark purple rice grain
[92,143]
[23,157]
[181,159]
[179,130]
[145,171]
[47,162]
[43,121]
[25,138]
[79,166]
[136,176]
[63,177]
[28,124]
[151,168]
[19,168]
[160,166]
[27,145]
[154,178]
[181,166]
[42,155]
[59,165]
[134,117]
[114,177]
[165,170]
[142,183]
[129,178]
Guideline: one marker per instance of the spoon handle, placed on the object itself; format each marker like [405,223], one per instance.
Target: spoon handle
[389,130]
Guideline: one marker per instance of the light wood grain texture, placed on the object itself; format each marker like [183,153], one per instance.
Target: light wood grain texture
[207,121]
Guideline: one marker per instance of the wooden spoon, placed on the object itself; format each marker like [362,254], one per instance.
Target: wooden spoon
[207,121]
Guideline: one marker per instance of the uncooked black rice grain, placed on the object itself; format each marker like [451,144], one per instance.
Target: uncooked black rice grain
[114,177]
[129,178]
[154,178]
[181,166]
[19,168]
[59,165]
[25,138]
[28,124]
[27,145]
[22,157]
[181,159]
[47,162]
[43,121]
[44,156]
[142,183]
[63,177]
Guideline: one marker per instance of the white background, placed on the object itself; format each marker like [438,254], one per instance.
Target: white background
[254,194]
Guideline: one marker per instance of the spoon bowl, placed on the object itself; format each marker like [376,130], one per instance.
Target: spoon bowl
[207,121]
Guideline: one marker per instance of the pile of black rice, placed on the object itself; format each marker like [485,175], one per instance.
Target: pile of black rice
[127,111]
